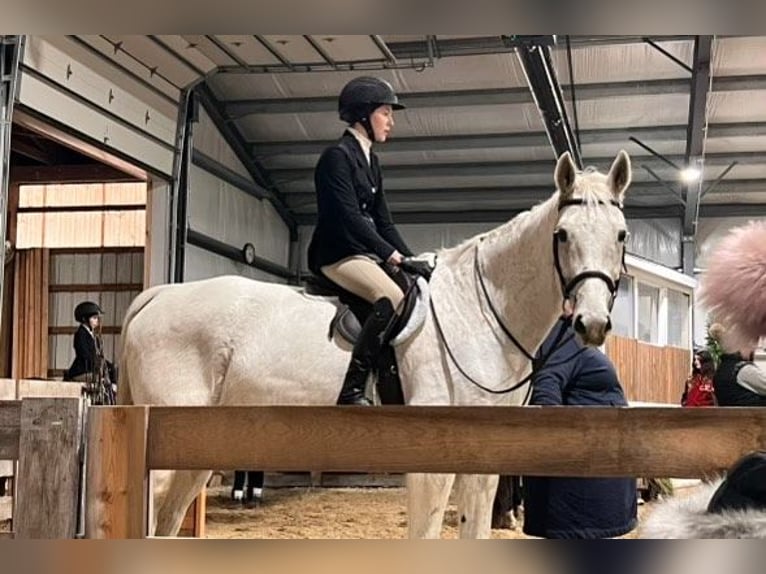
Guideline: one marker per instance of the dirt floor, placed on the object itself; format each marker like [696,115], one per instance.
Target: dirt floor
[370,513]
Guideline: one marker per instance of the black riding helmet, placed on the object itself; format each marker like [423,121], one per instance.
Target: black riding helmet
[86,310]
[362,96]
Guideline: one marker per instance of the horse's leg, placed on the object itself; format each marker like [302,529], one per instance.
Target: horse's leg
[427,496]
[183,487]
[475,494]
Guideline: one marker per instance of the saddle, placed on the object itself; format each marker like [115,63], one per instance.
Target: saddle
[352,311]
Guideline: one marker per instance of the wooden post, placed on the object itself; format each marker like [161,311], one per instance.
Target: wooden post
[116,484]
[49,446]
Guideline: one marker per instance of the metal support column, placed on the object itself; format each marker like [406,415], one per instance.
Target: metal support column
[179,197]
[695,145]
[10,55]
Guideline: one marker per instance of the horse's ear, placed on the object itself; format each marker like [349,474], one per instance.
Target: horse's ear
[565,174]
[620,175]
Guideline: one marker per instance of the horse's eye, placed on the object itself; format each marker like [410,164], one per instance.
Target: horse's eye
[622,236]
[562,235]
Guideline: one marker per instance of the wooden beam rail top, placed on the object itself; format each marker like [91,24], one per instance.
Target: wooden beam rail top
[554,441]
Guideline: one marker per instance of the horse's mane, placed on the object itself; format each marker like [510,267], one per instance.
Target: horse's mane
[590,186]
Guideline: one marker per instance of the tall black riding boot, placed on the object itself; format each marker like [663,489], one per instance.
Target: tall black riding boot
[365,354]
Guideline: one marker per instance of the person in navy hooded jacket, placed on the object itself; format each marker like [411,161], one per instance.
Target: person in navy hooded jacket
[584,508]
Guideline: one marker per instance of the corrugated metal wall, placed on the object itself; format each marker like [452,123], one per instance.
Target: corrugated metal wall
[110,277]
[223,211]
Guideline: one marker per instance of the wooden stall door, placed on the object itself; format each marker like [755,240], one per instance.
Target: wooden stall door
[30,315]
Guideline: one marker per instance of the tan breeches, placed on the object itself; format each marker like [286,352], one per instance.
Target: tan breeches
[363,277]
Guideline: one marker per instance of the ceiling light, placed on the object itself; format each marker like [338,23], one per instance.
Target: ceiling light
[690,174]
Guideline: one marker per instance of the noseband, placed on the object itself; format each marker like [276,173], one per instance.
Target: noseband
[567,287]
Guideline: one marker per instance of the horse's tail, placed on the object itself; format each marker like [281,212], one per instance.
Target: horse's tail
[124,396]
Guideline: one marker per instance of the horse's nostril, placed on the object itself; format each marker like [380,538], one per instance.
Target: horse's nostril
[579,326]
[608,325]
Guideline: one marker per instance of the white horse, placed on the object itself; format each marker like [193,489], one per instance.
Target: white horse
[235,341]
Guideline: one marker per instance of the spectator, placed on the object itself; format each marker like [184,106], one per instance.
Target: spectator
[585,508]
[698,390]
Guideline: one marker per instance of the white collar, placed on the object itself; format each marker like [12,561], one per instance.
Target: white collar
[363,140]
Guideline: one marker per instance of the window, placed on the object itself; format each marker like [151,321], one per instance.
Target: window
[622,313]
[648,313]
[678,319]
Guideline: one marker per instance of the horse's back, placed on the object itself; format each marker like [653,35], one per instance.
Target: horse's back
[199,342]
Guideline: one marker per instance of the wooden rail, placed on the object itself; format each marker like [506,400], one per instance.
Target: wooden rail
[126,442]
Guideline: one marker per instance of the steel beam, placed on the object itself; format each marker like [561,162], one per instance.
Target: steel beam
[10,56]
[502,215]
[235,109]
[527,194]
[505,168]
[544,85]
[515,139]
[695,139]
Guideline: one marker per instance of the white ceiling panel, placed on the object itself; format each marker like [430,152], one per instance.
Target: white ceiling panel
[633,111]
[296,49]
[736,144]
[156,57]
[210,49]
[739,56]
[248,49]
[182,47]
[349,48]
[737,106]
[623,62]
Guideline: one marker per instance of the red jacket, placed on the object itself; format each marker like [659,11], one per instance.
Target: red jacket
[701,392]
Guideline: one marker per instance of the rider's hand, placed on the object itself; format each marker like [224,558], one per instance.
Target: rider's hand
[395,258]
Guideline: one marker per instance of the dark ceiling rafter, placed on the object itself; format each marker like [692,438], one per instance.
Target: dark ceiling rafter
[674,133]
[232,136]
[541,76]
[500,216]
[695,144]
[494,96]
[534,167]
[529,195]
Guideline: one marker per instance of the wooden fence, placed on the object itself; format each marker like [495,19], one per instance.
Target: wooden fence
[126,442]
[649,373]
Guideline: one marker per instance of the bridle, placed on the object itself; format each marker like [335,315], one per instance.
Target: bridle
[567,287]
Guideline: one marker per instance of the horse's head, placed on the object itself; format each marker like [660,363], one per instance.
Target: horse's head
[589,241]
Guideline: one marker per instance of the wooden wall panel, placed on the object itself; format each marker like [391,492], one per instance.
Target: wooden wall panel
[649,373]
[30,314]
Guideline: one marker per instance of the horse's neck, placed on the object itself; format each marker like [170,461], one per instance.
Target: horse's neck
[518,268]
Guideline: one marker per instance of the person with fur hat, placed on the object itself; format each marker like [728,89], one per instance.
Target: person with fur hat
[354,233]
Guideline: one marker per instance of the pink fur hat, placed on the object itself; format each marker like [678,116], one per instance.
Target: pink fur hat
[733,288]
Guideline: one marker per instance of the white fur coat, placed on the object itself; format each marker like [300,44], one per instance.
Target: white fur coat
[687,517]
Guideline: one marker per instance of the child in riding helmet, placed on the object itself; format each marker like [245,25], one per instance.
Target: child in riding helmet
[354,231]
[87,343]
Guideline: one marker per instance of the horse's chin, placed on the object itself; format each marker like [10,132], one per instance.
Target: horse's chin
[591,339]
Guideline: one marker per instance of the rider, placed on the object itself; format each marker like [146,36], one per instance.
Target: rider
[87,344]
[354,233]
